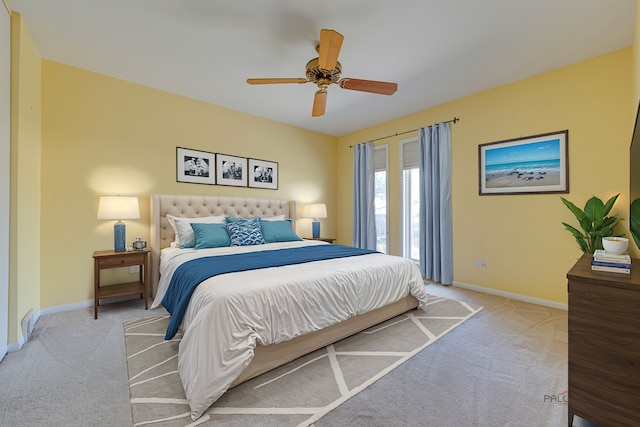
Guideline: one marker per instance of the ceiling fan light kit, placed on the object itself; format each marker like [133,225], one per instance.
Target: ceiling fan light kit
[326,70]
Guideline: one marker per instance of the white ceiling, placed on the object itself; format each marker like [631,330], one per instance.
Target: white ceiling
[436,50]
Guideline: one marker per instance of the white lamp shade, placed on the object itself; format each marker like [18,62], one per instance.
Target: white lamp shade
[118,207]
[316,210]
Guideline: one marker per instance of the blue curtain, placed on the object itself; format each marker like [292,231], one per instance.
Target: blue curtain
[436,242]
[364,221]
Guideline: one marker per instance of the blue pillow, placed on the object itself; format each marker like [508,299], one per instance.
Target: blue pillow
[278,231]
[210,235]
[245,232]
[183,230]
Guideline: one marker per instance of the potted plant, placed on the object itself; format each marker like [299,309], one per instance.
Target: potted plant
[594,222]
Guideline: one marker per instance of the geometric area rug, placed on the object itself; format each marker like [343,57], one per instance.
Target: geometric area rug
[295,394]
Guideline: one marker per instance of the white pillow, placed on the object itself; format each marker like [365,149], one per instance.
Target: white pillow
[185,237]
[274,218]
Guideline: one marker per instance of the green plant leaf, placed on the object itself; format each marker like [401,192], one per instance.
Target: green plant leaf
[609,205]
[585,223]
[577,234]
[594,210]
[634,221]
[573,230]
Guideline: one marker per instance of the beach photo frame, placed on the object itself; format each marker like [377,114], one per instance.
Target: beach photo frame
[537,164]
[195,166]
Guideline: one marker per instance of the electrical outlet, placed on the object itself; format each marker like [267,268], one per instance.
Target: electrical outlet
[480,264]
[134,269]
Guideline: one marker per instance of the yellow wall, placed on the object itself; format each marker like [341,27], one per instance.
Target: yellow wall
[99,135]
[107,136]
[636,60]
[521,238]
[24,234]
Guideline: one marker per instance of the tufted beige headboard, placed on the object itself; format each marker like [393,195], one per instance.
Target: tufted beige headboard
[161,233]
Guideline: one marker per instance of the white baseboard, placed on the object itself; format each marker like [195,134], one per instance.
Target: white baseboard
[85,304]
[16,346]
[519,297]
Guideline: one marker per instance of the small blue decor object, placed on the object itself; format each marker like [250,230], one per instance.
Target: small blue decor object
[315,229]
[119,208]
[119,236]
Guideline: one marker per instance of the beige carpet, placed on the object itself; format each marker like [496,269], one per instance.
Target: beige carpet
[296,394]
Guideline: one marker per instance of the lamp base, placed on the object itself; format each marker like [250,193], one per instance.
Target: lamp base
[315,229]
[119,237]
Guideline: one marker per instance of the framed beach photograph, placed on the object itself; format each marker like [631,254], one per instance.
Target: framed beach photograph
[231,170]
[263,174]
[533,164]
[195,166]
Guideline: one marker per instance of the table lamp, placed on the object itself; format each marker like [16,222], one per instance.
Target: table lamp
[118,207]
[315,211]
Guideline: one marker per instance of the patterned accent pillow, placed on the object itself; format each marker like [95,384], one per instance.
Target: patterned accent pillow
[246,232]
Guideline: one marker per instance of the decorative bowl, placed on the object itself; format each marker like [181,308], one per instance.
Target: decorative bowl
[615,245]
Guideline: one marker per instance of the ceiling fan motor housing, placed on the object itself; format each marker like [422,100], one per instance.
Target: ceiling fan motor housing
[315,73]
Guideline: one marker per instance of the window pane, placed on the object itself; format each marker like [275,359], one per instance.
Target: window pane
[380,207]
[411,215]
[415,213]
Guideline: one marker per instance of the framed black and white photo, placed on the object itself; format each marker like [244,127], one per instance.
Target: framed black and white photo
[195,166]
[231,170]
[263,174]
[528,165]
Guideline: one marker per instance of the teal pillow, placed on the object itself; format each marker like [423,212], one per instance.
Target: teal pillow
[245,232]
[184,231]
[210,235]
[278,231]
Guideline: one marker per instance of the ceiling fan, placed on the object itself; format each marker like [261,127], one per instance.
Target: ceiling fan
[325,70]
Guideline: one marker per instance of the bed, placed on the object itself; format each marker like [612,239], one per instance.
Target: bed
[241,324]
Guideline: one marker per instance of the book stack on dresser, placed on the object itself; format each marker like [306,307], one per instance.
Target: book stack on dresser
[604,261]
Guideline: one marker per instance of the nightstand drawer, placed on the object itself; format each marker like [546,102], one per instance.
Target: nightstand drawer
[323,239]
[122,261]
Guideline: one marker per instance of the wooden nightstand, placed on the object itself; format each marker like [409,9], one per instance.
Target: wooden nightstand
[324,239]
[110,259]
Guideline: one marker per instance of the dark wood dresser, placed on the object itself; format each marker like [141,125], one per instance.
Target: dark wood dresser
[604,345]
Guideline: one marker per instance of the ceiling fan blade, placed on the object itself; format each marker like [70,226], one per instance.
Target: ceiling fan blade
[329,49]
[319,103]
[384,88]
[276,81]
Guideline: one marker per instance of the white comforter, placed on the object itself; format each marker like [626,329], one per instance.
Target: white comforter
[231,313]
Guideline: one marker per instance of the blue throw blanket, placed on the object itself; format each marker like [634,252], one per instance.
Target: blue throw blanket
[190,274]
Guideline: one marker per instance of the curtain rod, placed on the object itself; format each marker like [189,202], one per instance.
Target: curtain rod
[454,120]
